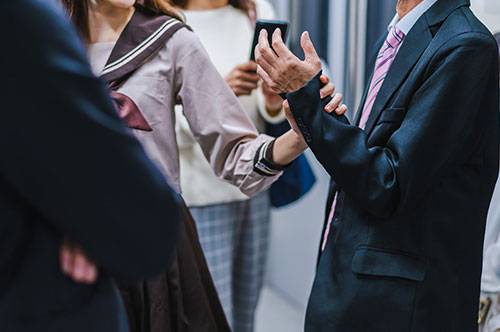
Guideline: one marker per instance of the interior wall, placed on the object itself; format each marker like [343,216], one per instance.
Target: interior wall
[296,229]
[488,12]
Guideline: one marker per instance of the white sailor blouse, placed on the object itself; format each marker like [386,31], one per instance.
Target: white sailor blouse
[157,63]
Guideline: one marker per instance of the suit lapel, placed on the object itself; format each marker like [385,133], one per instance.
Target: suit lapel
[414,45]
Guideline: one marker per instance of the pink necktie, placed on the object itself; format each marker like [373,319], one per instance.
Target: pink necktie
[384,61]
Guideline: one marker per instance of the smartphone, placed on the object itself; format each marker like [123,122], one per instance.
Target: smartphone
[270,27]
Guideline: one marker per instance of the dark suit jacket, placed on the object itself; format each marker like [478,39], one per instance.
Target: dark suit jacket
[405,250]
[69,167]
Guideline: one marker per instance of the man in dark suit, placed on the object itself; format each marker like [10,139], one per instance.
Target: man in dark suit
[69,168]
[411,178]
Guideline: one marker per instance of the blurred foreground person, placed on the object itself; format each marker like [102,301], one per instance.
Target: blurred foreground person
[412,177]
[489,314]
[152,61]
[70,169]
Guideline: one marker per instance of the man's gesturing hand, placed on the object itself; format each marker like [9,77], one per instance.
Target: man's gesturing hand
[280,69]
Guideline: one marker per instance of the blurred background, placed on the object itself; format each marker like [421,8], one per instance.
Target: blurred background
[344,32]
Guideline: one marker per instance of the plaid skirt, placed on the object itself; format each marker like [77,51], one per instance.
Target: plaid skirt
[234,237]
[183,299]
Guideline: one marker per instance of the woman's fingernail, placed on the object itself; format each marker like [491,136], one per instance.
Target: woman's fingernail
[328,108]
[66,264]
[79,272]
[91,272]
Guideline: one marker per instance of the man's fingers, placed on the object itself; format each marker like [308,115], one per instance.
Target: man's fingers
[262,64]
[263,41]
[267,68]
[267,79]
[308,47]
[334,103]
[265,51]
[279,46]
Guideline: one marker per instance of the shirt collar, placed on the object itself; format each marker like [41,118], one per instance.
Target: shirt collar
[406,23]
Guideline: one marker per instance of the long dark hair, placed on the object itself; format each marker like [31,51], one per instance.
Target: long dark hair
[79,12]
[245,5]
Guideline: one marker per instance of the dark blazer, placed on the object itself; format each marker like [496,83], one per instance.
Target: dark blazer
[405,250]
[69,167]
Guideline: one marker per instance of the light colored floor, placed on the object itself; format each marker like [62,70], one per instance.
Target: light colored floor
[276,314]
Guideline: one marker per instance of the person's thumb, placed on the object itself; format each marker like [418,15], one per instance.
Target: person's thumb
[308,47]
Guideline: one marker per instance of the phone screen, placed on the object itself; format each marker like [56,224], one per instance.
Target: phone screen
[270,27]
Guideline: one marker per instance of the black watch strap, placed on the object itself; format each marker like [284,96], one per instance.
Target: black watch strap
[263,162]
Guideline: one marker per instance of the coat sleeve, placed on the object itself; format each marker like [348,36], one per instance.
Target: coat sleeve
[386,179]
[219,123]
[66,153]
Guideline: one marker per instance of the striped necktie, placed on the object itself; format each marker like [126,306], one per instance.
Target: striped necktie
[385,59]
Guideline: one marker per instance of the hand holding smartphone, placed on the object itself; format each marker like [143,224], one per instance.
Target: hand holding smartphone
[270,27]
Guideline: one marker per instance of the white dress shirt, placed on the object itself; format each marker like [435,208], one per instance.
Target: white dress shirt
[408,21]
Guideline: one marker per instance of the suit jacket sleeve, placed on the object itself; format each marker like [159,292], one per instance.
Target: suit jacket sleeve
[387,179]
[66,153]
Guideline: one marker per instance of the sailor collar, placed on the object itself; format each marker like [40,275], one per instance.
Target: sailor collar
[144,35]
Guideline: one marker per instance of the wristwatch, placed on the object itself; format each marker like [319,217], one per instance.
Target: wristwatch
[263,162]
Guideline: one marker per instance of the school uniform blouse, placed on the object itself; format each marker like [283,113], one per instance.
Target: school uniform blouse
[227,35]
[182,73]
